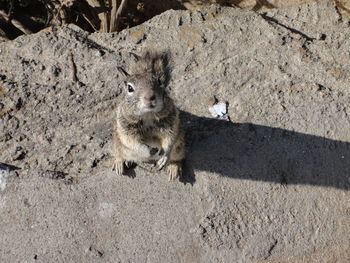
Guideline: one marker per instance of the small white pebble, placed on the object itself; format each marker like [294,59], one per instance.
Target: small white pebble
[218,110]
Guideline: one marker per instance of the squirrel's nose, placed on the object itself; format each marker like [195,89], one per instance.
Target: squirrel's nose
[151,98]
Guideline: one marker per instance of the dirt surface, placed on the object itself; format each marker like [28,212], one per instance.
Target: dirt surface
[271,185]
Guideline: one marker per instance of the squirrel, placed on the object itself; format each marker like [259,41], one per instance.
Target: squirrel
[147,129]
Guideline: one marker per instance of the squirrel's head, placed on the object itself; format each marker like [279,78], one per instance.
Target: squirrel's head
[144,90]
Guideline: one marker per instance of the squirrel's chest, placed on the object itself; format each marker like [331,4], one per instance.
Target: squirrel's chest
[148,125]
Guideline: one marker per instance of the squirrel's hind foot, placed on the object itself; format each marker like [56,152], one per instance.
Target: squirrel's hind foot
[119,167]
[174,170]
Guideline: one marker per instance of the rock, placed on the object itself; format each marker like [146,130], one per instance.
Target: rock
[271,184]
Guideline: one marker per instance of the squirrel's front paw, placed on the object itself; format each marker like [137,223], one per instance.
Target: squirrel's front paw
[153,151]
[145,151]
[162,162]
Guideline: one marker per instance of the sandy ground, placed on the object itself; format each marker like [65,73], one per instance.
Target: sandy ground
[271,185]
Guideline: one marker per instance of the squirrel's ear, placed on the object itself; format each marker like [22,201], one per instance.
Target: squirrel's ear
[157,65]
[123,71]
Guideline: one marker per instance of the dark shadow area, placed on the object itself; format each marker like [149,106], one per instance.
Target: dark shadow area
[35,15]
[254,152]
[137,12]
[26,17]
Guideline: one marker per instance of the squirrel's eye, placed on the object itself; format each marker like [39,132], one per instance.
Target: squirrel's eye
[130,88]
